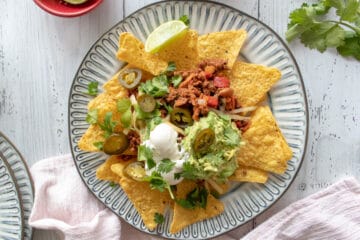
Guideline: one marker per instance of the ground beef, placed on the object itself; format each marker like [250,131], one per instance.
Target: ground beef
[242,125]
[219,64]
[134,141]
[197,86]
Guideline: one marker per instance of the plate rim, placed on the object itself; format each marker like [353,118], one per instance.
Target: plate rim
[27,169]
[12,175]
[306,108]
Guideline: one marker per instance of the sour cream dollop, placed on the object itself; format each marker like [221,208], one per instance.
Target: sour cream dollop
[164,145]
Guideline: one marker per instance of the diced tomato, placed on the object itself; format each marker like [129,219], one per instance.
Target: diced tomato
[212,101]
[221,82]
[208,75]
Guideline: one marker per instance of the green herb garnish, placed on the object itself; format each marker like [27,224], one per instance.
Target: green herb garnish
[165,166]
[92,116]
[195,198]
[156,87]
[176,80]
[158,218]
[156,181]
[145,154]
[108,125]
[92,88]
[159,85]
[185,19]
[171,67]
[124,107]
[315,31]
[99,145]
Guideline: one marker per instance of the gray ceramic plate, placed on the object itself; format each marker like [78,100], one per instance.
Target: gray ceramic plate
[11,214]
[287,100]
[22,178]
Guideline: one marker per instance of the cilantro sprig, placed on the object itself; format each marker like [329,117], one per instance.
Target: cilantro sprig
[195,198]
[108,125]
[124,107]
[166,165]
[316,30]
[159,218]
[92,116]
[159,85]
[156,181]
[92,88]
[185,19]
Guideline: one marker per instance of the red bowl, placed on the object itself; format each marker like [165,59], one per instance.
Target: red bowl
[63,9]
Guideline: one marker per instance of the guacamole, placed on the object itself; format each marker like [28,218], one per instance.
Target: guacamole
[217,159]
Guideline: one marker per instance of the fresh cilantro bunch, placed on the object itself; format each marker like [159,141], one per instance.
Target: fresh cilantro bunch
[315,31]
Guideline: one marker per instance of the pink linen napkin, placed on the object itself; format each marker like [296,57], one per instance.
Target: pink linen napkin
[63,203]
[333,213]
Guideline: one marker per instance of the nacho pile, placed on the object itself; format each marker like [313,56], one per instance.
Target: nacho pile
[265,149]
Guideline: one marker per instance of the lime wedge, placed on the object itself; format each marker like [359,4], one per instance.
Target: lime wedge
[164,34]
[75,1]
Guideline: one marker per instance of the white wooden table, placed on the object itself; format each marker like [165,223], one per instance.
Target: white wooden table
[40,53]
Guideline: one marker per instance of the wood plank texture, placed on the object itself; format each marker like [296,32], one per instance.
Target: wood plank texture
[40,53]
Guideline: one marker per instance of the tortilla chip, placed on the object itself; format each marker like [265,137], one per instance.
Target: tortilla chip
[113,87]
[251,82]
[249,174]
[104,102]
[265,146]
[184,51]
[131,50]
[104,171]
[183,217]
[222,45]
[92,135]
[146,201]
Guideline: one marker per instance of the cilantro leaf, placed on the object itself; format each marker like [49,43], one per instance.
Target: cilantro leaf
[176,80]
[185,203]
[156,181]
[185,19]
[321,32]
[145,154]
[165,166]
[171,67]
[168,107]
[99,145]
[112,184]
[156,87]
[189,172]
[126,118]
[323,35]
[345,9]
[177,176]
[351,47]
[196,198]
[158,218]
[92,88]
[108,125]
[92,116]
[123,105]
